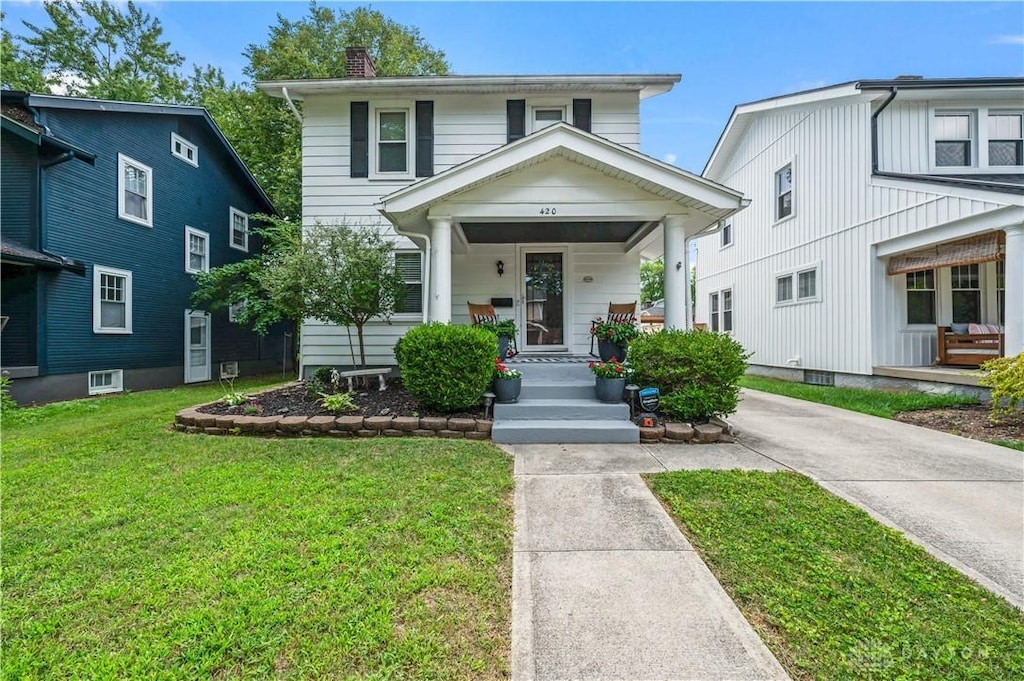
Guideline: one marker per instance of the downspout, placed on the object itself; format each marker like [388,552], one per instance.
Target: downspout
[291,105]
[874,128]
[426,264]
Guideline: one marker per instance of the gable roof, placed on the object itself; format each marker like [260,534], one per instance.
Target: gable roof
[83,104]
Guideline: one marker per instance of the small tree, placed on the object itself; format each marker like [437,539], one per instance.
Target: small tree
[652,281]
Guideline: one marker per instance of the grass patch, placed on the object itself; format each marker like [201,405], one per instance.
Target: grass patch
[875,402]
[1012,444]
[132,551]
[835,594]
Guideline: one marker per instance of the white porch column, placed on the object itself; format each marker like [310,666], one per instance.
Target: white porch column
[675,271]
[1014,290]
[439,299]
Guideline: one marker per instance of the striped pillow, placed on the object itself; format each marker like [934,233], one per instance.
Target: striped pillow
[984,328]
[486,319]
[622,318]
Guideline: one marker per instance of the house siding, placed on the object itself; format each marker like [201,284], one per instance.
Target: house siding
[840,213]
[18,175]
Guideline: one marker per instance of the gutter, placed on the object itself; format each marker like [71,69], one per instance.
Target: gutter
[874,128]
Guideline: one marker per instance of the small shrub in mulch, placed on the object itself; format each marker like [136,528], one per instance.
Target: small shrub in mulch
[295,400]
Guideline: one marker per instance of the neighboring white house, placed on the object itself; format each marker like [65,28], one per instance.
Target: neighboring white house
[528,192]
[880,210]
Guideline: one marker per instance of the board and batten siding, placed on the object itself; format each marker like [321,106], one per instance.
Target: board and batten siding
[465,126]
[858,320]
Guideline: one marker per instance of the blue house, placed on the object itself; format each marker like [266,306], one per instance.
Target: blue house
[108,208]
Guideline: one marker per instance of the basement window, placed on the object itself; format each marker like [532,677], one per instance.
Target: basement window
[109,381]
[812,377]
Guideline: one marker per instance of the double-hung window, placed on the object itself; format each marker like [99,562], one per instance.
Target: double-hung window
[798,286]
[1005,139]
[392,141]
[966,286]
[134,191]
[784,192]
[716,311]
[921,297]
[410,267]
[239,225]
[197,251]
[727,233]
[721,311]
[953,140]
[111,300]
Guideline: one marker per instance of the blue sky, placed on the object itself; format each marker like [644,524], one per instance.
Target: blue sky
[727,52]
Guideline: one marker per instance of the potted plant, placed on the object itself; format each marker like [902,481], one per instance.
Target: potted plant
[610,379]
[508,383]
[505,330]
[613,338]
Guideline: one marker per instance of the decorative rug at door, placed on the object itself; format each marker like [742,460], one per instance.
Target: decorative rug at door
[551,359]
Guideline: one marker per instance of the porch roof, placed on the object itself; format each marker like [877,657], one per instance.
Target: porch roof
[647,189]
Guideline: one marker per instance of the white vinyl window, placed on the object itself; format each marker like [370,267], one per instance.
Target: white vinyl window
[185,150]
[1001,291]
[239,226]
[393,147]
[727,233]
[1005,139]
[797,286]
[197,251]
[109,381]
[134,191]
[715,315]
[727,311]
[410,266]
[953,139]
[784,192]
[111,300]
[921,297]
[721,311]
[233,310]
[965,282]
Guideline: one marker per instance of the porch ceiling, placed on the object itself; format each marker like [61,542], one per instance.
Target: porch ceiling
[549,232]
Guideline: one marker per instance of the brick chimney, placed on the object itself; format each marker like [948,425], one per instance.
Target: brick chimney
[359,63]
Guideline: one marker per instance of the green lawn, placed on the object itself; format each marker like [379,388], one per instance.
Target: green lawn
[875,402]
[833,593]
[132,551]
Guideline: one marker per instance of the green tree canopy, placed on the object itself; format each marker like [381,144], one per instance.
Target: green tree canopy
[18,71]
[652,281]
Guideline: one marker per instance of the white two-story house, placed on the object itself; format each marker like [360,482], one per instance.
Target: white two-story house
[526,192]
[883,214]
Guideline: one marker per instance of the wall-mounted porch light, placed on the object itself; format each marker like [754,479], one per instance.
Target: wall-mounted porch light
[501,268]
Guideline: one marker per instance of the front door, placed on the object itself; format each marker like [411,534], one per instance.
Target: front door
[197,346]
[542,299]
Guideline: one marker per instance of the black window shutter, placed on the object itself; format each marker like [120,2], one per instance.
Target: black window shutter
[516,119]
[581,114]
[359,149]
[424,139]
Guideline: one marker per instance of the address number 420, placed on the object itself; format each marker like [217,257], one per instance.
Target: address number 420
[548,211]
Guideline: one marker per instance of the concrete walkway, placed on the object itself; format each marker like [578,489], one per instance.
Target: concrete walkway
[961,499]
[604,584]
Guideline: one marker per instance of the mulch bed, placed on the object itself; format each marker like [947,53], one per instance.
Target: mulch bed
[969,420]
[294,401]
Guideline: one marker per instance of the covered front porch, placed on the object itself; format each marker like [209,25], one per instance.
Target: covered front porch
[552,228]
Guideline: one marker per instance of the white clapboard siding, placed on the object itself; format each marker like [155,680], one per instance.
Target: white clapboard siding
[840,213]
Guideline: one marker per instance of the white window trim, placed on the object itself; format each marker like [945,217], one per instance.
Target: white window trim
[122,162]
[189,231]
[116,386]
[414,316]
[185,144]
[793,274]
[975,142]
[232,212]
[533,105]
[98,270]
[229,369]
[720,293]
[406,107]
[732,234]
[776,220]
[907,326]
[996,111]
[233,310]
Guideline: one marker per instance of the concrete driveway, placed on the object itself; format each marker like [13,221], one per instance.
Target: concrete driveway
[961,499]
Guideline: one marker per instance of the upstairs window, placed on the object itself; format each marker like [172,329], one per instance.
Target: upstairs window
[197,251]
[134,191]
[234,310]
[921,297]
[392,141]
[185,150]
[239,230]
[547,116]
[727,233]
[1005,139]
[953,139]
[410,266]
[111,300]
[966,285]
[784,192]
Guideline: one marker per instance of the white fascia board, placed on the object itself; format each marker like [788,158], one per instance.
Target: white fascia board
[997,219]
[548,142]
[646,85]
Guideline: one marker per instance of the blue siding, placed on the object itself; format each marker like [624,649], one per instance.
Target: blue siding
[80,221]
[18,182]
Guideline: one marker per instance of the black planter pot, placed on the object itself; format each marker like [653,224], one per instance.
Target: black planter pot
[607,349]
[610,389]
[507,389]
[502,348]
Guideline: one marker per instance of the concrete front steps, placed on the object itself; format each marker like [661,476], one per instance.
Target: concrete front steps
[558,405]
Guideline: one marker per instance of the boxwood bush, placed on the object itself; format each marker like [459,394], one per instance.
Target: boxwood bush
[697,372]
[447,367]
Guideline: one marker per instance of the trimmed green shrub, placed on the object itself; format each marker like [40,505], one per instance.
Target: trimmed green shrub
[1006,378]
[447,367]
[697,372]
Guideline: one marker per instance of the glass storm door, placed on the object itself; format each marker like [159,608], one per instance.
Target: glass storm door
[197,346]
[543,300]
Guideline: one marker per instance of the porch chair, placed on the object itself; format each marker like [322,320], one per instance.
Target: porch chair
[479,314]
[618,313]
